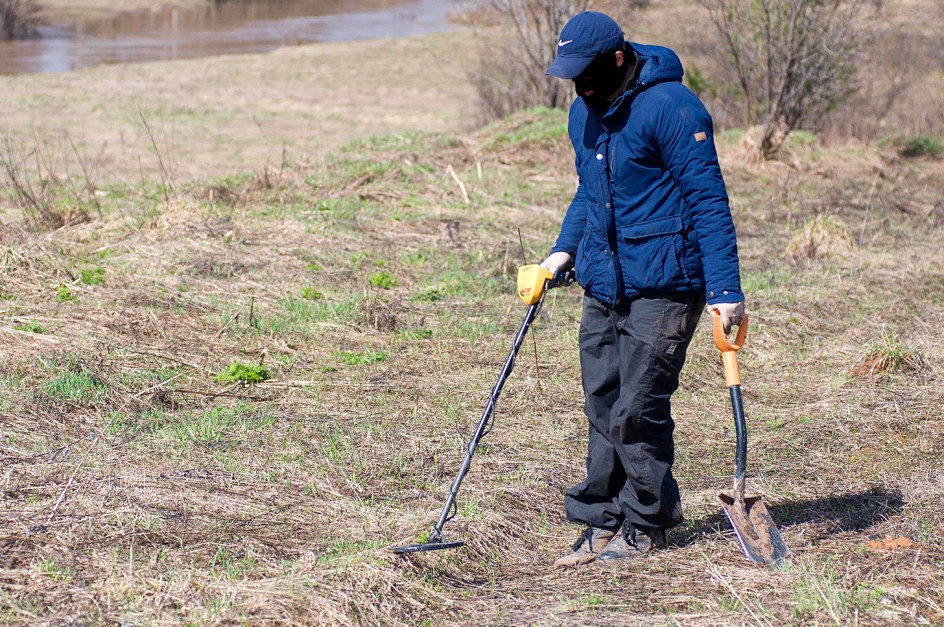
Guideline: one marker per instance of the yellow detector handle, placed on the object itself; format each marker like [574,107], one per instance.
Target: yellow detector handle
[728,350]
[531,281]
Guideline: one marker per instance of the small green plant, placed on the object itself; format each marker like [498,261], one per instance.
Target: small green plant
[429,295]
[346,549]
[64,294]
[353,358]
[93,276]
[30,327]
[232,565]
[416,334]
[238,372]
[922,146]
[383,280]
[48,567]
[310,293]
[699,83]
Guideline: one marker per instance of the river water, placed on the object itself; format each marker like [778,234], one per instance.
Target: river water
[220,28]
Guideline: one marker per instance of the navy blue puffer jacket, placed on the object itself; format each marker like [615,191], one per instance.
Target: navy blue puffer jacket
[651,212]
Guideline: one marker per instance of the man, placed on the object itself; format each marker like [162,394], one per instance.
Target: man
[650,234]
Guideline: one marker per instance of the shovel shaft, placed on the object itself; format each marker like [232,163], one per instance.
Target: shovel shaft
[482,427]
[733,380]
[740,429]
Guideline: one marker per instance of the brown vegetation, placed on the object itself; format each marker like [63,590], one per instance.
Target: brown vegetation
[139,488]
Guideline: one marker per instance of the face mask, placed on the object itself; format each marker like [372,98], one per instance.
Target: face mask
[599,81]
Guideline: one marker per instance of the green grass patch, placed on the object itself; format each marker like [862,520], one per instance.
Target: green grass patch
[821,590]
[217,423]
[30,327]
[76,385]
[428,295]
[415,334]
[530,127]
[362,358]
[301,316]
[801,139]
[92,276]
[347,549]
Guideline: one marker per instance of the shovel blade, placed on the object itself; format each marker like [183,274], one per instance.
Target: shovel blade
[755,529]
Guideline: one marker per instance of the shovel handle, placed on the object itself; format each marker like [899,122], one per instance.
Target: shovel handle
[728,350]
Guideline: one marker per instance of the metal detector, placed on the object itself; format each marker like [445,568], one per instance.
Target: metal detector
[533,284]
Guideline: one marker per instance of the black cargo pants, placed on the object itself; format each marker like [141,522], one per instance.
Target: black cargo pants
[630,359]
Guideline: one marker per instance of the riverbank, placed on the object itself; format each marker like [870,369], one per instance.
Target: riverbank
[74,11]
[217,116]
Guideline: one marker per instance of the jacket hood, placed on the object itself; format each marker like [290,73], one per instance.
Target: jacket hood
[659,64]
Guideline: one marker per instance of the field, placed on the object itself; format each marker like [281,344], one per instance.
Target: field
[234,374]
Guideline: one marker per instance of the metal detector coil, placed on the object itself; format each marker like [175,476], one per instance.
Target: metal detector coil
[426,546]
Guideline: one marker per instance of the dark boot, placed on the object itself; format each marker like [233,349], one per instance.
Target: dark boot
[633,543]
[587,547]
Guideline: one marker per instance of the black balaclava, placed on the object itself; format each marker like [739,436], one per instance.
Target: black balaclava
[604,78]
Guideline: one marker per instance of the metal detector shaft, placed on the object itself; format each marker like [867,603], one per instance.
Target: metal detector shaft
[483,421]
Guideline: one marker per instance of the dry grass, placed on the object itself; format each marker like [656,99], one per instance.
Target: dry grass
[137,488]
[822,237]
[217,116]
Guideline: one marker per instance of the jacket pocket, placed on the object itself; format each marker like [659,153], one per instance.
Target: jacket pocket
[650,255]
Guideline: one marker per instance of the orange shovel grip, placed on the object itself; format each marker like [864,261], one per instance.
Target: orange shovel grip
[729,350]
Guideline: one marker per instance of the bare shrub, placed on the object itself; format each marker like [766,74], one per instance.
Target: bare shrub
[906,100]
[511,64]
[792,60]
[515,53]
[18,18]
[33,181]
[162,147]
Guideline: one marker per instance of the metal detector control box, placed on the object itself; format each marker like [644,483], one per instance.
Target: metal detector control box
[531,282]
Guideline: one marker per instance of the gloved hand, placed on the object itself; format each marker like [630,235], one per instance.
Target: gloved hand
[555,260]
[731,314]
[556,263]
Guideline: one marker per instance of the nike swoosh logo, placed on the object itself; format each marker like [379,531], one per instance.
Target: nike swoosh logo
[563,43]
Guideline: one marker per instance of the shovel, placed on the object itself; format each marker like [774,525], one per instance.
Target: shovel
[755,529]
